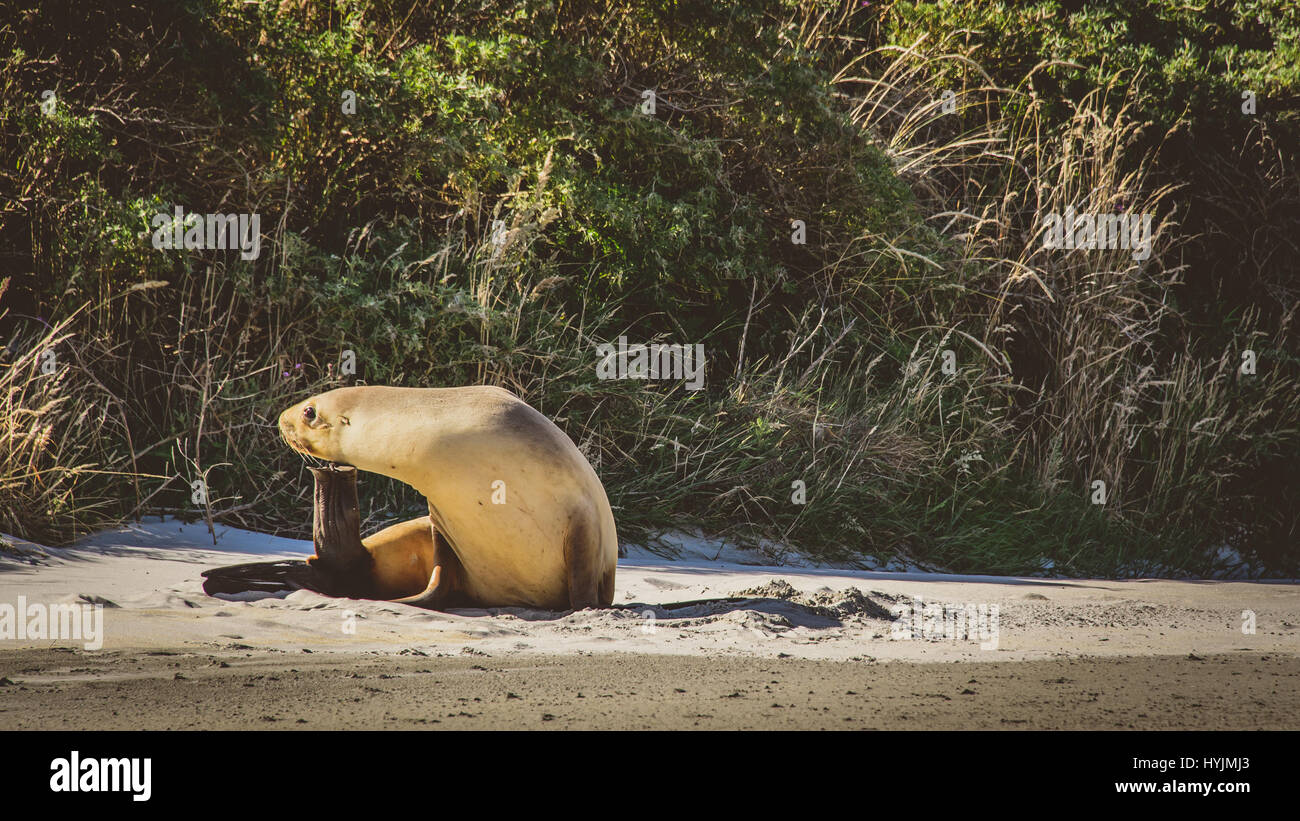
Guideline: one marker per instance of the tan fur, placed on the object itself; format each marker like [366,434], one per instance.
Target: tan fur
[551,545]
[403,558]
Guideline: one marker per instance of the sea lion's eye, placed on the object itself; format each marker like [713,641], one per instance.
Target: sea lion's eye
[309,413]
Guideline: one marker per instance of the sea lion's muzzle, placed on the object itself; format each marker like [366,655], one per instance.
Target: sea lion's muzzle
[289,434]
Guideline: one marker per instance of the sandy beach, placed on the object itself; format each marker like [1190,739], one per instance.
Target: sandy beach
[162,690]
[794,646]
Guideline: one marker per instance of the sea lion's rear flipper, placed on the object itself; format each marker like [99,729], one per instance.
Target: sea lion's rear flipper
[446,587]
[341,566]
[431,598]
[261,577]
[341,561]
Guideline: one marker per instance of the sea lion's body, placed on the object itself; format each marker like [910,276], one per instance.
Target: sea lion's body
[517,516]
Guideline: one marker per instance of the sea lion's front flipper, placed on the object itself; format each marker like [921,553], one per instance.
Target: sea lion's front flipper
[341,561]
[584,575]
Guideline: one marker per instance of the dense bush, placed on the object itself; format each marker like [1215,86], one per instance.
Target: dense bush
[498,204]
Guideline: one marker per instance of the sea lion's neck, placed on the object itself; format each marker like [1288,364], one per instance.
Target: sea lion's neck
[407,450]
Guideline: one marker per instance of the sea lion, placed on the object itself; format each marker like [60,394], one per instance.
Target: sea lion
[517,516]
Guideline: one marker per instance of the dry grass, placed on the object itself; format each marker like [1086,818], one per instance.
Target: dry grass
[1071,366]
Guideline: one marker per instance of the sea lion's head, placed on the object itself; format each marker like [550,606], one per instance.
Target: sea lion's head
[373,428]
[322,426]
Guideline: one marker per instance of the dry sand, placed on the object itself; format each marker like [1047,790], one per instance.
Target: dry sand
[72,690]
[805,647]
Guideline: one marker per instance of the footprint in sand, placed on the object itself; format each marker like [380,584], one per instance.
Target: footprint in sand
[663,584]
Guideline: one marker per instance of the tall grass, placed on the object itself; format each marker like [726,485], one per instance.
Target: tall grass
[497,209]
